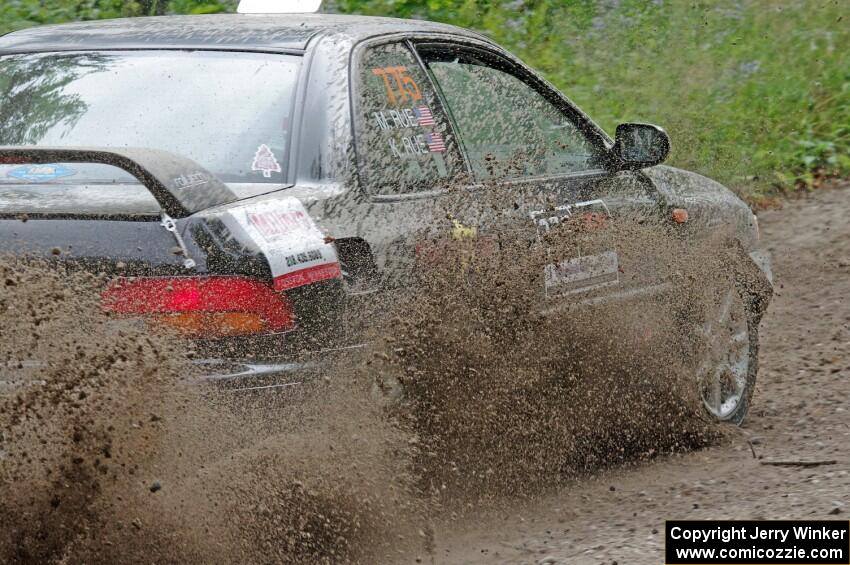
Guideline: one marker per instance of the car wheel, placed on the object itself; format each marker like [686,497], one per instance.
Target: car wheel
[729,359]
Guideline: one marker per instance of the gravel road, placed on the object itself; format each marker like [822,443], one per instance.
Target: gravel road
[170,491]
[801,412]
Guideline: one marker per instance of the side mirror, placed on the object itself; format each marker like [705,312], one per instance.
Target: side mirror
[640,145]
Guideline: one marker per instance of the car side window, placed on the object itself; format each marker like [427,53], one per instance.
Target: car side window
[508,128]
[404,141]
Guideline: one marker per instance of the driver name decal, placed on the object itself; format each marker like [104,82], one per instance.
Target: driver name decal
[404,118]
[409,146]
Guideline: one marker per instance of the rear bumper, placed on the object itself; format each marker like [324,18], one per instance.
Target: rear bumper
[232,375]
[237,375]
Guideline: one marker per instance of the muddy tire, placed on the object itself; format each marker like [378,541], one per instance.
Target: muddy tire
[726,374]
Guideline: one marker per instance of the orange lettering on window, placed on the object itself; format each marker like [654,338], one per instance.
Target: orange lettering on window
[401,88]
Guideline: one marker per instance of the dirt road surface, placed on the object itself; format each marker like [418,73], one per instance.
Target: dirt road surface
[801,412]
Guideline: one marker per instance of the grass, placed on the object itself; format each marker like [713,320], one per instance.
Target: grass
[754,93]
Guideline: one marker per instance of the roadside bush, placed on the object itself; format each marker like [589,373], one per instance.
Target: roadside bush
[755,93]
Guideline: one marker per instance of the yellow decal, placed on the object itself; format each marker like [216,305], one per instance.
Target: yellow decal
[461,232]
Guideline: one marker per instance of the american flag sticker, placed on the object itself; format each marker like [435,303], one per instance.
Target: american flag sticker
[435,142]
[424,115]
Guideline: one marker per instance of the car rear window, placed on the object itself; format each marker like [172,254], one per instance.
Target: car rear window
[228,111]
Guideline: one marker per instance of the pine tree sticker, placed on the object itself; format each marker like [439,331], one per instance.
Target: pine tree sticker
[264,161]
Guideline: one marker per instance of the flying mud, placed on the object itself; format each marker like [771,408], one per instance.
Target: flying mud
[798,418]
[473,392]
[111,453]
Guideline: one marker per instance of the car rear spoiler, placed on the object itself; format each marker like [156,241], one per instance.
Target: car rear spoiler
[179,185]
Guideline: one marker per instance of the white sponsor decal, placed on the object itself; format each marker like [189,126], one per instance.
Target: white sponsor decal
[190,180]
[582,273]
[295,247]
[264,160]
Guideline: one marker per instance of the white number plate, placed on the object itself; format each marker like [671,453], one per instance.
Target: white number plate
[581,274]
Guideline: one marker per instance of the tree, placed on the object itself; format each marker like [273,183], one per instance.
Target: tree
[32,90]
[18,14]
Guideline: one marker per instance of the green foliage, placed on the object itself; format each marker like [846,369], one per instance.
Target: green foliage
[18,14]
[755,93]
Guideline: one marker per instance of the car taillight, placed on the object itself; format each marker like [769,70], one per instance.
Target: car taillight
[203,306]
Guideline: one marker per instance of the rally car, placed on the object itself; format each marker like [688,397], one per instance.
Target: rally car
[247,178]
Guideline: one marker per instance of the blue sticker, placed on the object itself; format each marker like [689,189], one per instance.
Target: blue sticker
[41,172]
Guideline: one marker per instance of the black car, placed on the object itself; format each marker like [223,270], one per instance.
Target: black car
[248,177]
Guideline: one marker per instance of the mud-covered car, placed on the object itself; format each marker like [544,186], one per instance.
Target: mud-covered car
[249,178]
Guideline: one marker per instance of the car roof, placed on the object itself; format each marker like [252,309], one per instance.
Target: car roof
[262,32]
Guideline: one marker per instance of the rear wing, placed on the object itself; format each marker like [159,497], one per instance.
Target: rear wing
[179,185]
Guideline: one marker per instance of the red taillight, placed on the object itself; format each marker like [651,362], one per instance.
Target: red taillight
[208,306]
